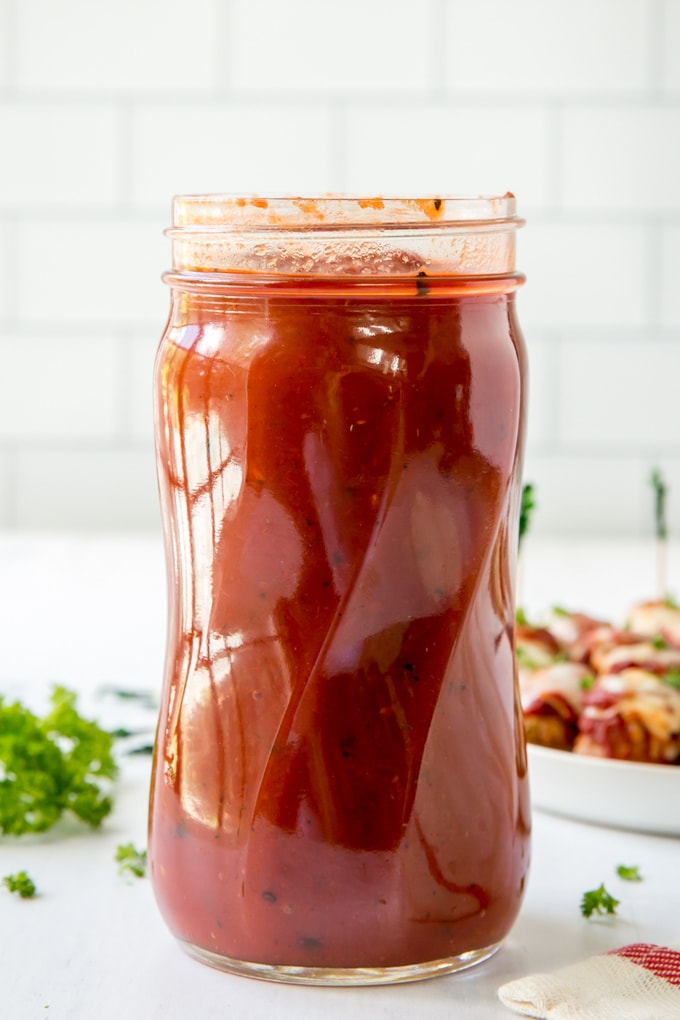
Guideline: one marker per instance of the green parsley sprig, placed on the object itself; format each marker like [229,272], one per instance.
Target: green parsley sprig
[598,901]
[629,873]
[659,486]
[672,678]
[21,884]
[131,859]
[661,530]
[526,508]
[60,763]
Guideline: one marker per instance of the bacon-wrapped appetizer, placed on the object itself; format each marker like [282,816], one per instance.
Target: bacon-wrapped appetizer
[651,656]
[552,701]
[536,646]
[581,636]
[570,628]
[632,715]
[657,619]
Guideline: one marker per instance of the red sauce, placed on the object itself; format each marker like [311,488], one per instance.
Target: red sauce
[340,777]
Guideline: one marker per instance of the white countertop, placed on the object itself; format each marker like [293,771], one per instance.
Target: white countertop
[89,612]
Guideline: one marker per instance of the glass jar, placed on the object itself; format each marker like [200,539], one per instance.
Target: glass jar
[339,790]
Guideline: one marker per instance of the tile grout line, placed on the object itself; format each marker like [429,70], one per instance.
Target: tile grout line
[654,275]
[338,147]
[124,143]
[11,47]
[438,48]
[555,415]
[656,18]
[223,49]
[219,96]
[10,256]
[122,395]
[13,486]
[554,111]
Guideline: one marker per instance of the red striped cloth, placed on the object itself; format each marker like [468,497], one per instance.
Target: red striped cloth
[659,960]
[636,982]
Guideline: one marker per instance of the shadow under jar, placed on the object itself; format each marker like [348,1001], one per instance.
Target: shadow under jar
[339,789]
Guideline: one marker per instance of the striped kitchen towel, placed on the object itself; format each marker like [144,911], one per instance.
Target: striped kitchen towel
[637,982]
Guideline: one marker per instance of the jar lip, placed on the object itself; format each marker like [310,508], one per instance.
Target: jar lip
[345,235]
[228,213]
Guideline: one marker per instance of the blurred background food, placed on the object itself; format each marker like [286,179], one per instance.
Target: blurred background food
[107,110]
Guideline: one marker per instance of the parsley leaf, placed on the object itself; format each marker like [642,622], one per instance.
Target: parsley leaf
[598,901]
[21,884]
[130,859]
[527,506]
[52,765]
[659,486]
[672,678]
[629,874]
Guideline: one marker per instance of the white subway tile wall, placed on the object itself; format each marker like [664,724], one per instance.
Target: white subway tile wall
[90,272]
[582,274]
[621,158]
[253,147]
[543,47]
[138,355]
[670,276]
[79,487]
[636,371]
[5,261]
[107,110]
[671,46]
[65,366]
[479,146]
[5,43]
[353,49]
[85,50]
[56,154]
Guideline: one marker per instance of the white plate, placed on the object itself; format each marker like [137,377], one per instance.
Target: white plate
[619,793]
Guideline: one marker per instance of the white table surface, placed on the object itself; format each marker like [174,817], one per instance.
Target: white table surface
[89,612]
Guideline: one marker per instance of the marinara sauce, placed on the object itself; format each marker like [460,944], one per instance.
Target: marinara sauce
[339,789]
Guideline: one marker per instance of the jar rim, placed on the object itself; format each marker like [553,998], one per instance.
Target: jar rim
[226,213]
[344,235]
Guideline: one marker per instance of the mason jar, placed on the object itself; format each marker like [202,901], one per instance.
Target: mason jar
[339,788]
